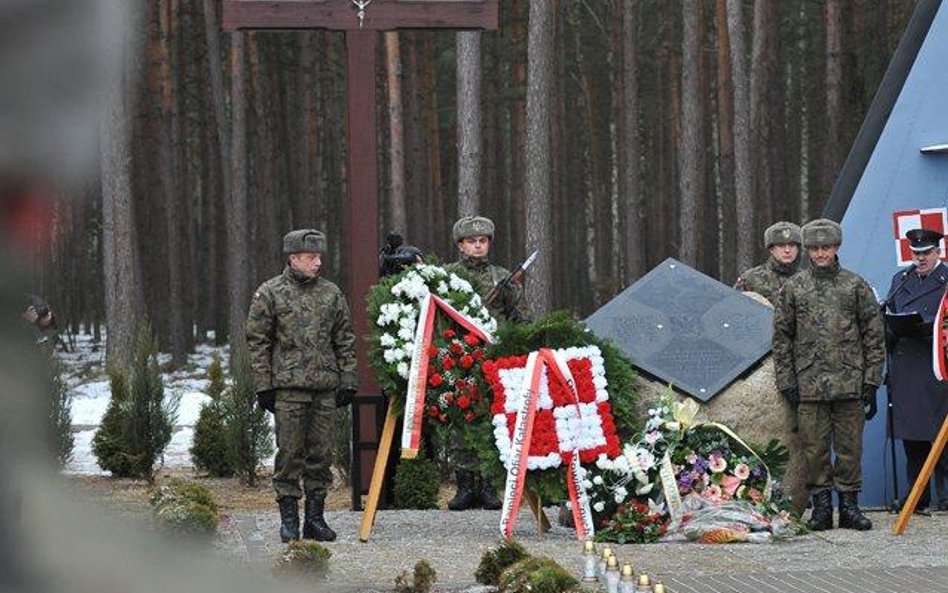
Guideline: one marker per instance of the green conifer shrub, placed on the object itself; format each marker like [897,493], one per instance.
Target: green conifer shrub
[184,507]
[416,484]
[108,444]
[537,574]
[302,559]
[60,413]
[249,435]
[497,559]
[209,447]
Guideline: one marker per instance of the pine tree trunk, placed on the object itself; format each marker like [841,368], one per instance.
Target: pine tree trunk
[725,106]
[743,167]
[538,225]
[123,295]
[397,212]
[238,253]
[470,140]
[634,215]
[832,20]
[690,175]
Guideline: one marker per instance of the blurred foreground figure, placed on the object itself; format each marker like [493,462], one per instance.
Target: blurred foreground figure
[57,58]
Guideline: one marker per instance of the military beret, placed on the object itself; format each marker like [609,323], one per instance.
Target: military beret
[821,232]
[921,240]
[309,240]
[781,232]
[473,226]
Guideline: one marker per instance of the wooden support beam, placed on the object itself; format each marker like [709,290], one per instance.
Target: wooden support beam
[342,15]
[378,476]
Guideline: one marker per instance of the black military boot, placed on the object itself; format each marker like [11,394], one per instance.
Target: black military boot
[289,519]
[489,500]
[314,525]
[850,517]
[821,518]
[466,497]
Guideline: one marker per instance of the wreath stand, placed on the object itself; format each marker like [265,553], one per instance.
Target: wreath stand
[921,483]
[378,477]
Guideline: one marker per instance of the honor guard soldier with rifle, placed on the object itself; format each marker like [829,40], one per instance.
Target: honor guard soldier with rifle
[302,353]
[502,293]
[829,350]
[919,401]
[782,240]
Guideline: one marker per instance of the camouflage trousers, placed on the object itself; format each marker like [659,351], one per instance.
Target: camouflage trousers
[835,425]
[303,422]
[460,454]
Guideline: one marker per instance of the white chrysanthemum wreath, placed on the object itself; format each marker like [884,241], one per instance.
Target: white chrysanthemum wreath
[394,308]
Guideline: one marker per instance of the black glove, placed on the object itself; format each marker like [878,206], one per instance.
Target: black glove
[869,405]
[344,396]
[792,395]
[267,400]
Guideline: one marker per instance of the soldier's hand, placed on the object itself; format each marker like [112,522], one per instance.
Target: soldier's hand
[792,396]
[344,396]
[869,404]
[267,400]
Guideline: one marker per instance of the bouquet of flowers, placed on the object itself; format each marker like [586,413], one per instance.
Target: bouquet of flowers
[707,463]
[453,395]
[635,522]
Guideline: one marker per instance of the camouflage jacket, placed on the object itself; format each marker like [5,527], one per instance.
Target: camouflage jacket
[767,279]
[828,336]
[299,335]
[507,306]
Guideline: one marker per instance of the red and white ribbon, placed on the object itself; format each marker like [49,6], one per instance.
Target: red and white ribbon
[418,371]
[520,447]
[939,339]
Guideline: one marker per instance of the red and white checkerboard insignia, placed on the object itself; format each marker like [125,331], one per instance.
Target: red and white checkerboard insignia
[559,424]
[935,219]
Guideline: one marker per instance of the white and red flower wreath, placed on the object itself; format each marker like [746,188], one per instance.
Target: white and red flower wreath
[559,424]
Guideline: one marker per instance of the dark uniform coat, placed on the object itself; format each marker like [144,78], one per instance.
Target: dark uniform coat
[919,400]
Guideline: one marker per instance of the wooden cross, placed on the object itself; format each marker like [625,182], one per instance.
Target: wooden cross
[361,20]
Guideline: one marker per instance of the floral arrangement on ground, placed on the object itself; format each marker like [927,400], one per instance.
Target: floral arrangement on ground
[393,307]
[723,489]
[605,382]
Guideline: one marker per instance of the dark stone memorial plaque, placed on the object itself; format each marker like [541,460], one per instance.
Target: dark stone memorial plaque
[686,328]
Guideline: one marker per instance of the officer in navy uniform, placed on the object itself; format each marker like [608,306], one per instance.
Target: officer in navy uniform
[919,400]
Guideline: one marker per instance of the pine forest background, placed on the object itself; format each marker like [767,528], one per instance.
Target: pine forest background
[677,129]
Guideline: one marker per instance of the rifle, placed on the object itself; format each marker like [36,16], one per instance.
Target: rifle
[514,276]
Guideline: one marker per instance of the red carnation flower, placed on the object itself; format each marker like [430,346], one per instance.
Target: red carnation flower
[432,351]
[435,380]
[449,398]
[457,348]
[443,418]
[464,402]
[472,340]
[478,354]
[467,361]
[448,334]
[469,416]
[433,411]
[447,363]
[461,384]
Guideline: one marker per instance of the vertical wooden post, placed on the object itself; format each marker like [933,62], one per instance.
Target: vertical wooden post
[378,476]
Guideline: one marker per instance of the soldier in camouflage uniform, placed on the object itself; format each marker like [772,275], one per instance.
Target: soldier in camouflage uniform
[829,349]
[302,352]
[782,240]
[473,236]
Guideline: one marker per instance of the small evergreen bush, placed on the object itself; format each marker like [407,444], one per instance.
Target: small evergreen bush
[209,447]
[497,559]
[184,507]
[60,413]
[420,581]
[249,435]
[302,559]
[537,575]
[416,484]
[108,445]
[139,420]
